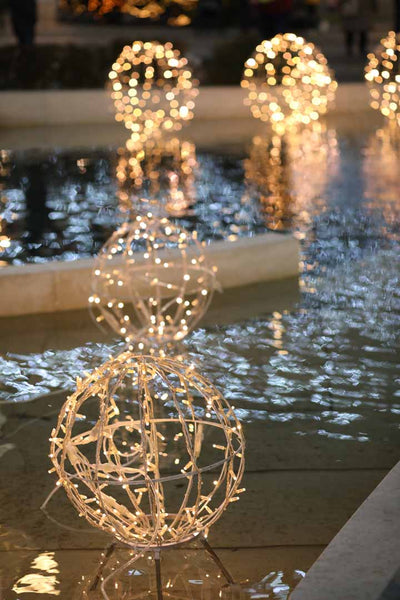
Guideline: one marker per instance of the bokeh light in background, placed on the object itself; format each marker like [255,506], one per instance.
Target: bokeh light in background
[383,75]
[152,90]
[139,9]
[151,282]
[289,174]
[288,82]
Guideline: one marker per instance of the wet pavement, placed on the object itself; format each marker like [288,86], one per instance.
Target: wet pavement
[311,369]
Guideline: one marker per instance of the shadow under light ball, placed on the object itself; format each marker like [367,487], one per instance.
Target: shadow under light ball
[151,282]
[383,75]
[152,89]
[148,450]
[288,82]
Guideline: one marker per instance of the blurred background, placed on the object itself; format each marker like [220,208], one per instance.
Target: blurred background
[70,44]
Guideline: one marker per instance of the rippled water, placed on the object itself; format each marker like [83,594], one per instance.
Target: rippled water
[340,197]
[65,205]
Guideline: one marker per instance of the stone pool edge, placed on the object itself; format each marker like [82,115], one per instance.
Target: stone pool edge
[65,285]
[62,107]
[362,561]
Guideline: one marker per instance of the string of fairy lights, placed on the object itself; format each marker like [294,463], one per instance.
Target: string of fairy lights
[143,422]
[119,486]
[152,282]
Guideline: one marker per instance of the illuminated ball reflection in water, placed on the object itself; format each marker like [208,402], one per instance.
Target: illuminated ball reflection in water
[152,89]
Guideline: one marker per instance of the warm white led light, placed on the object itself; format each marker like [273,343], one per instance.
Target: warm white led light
[148,450]
[151,282]
[383,76]
[288,82]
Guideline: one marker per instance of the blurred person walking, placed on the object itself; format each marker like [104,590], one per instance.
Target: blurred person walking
[356,20]
[273,16]
[23,17]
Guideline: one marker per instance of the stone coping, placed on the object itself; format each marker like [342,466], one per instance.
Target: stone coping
[65,285]
[361,562]
[57,107]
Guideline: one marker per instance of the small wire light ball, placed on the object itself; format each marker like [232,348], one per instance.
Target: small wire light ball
[288,82]
[383,75]
[148,450]
[151,282]
[152,89]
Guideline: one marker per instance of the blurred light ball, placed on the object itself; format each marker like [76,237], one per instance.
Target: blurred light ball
[152,89]
[148,450]
[151,282]
[383,76]
[288,82]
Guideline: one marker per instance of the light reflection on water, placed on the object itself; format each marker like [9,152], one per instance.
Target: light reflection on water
[187,575]
[43,577]
[65,206]
[338,350]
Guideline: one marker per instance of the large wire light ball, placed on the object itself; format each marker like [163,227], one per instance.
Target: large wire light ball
[383,75]
[152,89]
[151,282]
[288,82]
[148,450]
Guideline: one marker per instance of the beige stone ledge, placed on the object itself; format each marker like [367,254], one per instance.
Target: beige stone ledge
[58,107]
[362,559]
[61,286]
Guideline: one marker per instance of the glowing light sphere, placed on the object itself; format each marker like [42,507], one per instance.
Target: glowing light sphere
[148,450]
[288,82]
[151,282]
[152,89]
[383,75]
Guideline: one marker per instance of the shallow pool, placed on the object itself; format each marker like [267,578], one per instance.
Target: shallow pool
[314,378]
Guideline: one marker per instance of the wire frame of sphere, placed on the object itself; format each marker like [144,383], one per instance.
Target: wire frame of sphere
[148,450]
[152,89]
[288,82]
[383,75]
[151,282]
